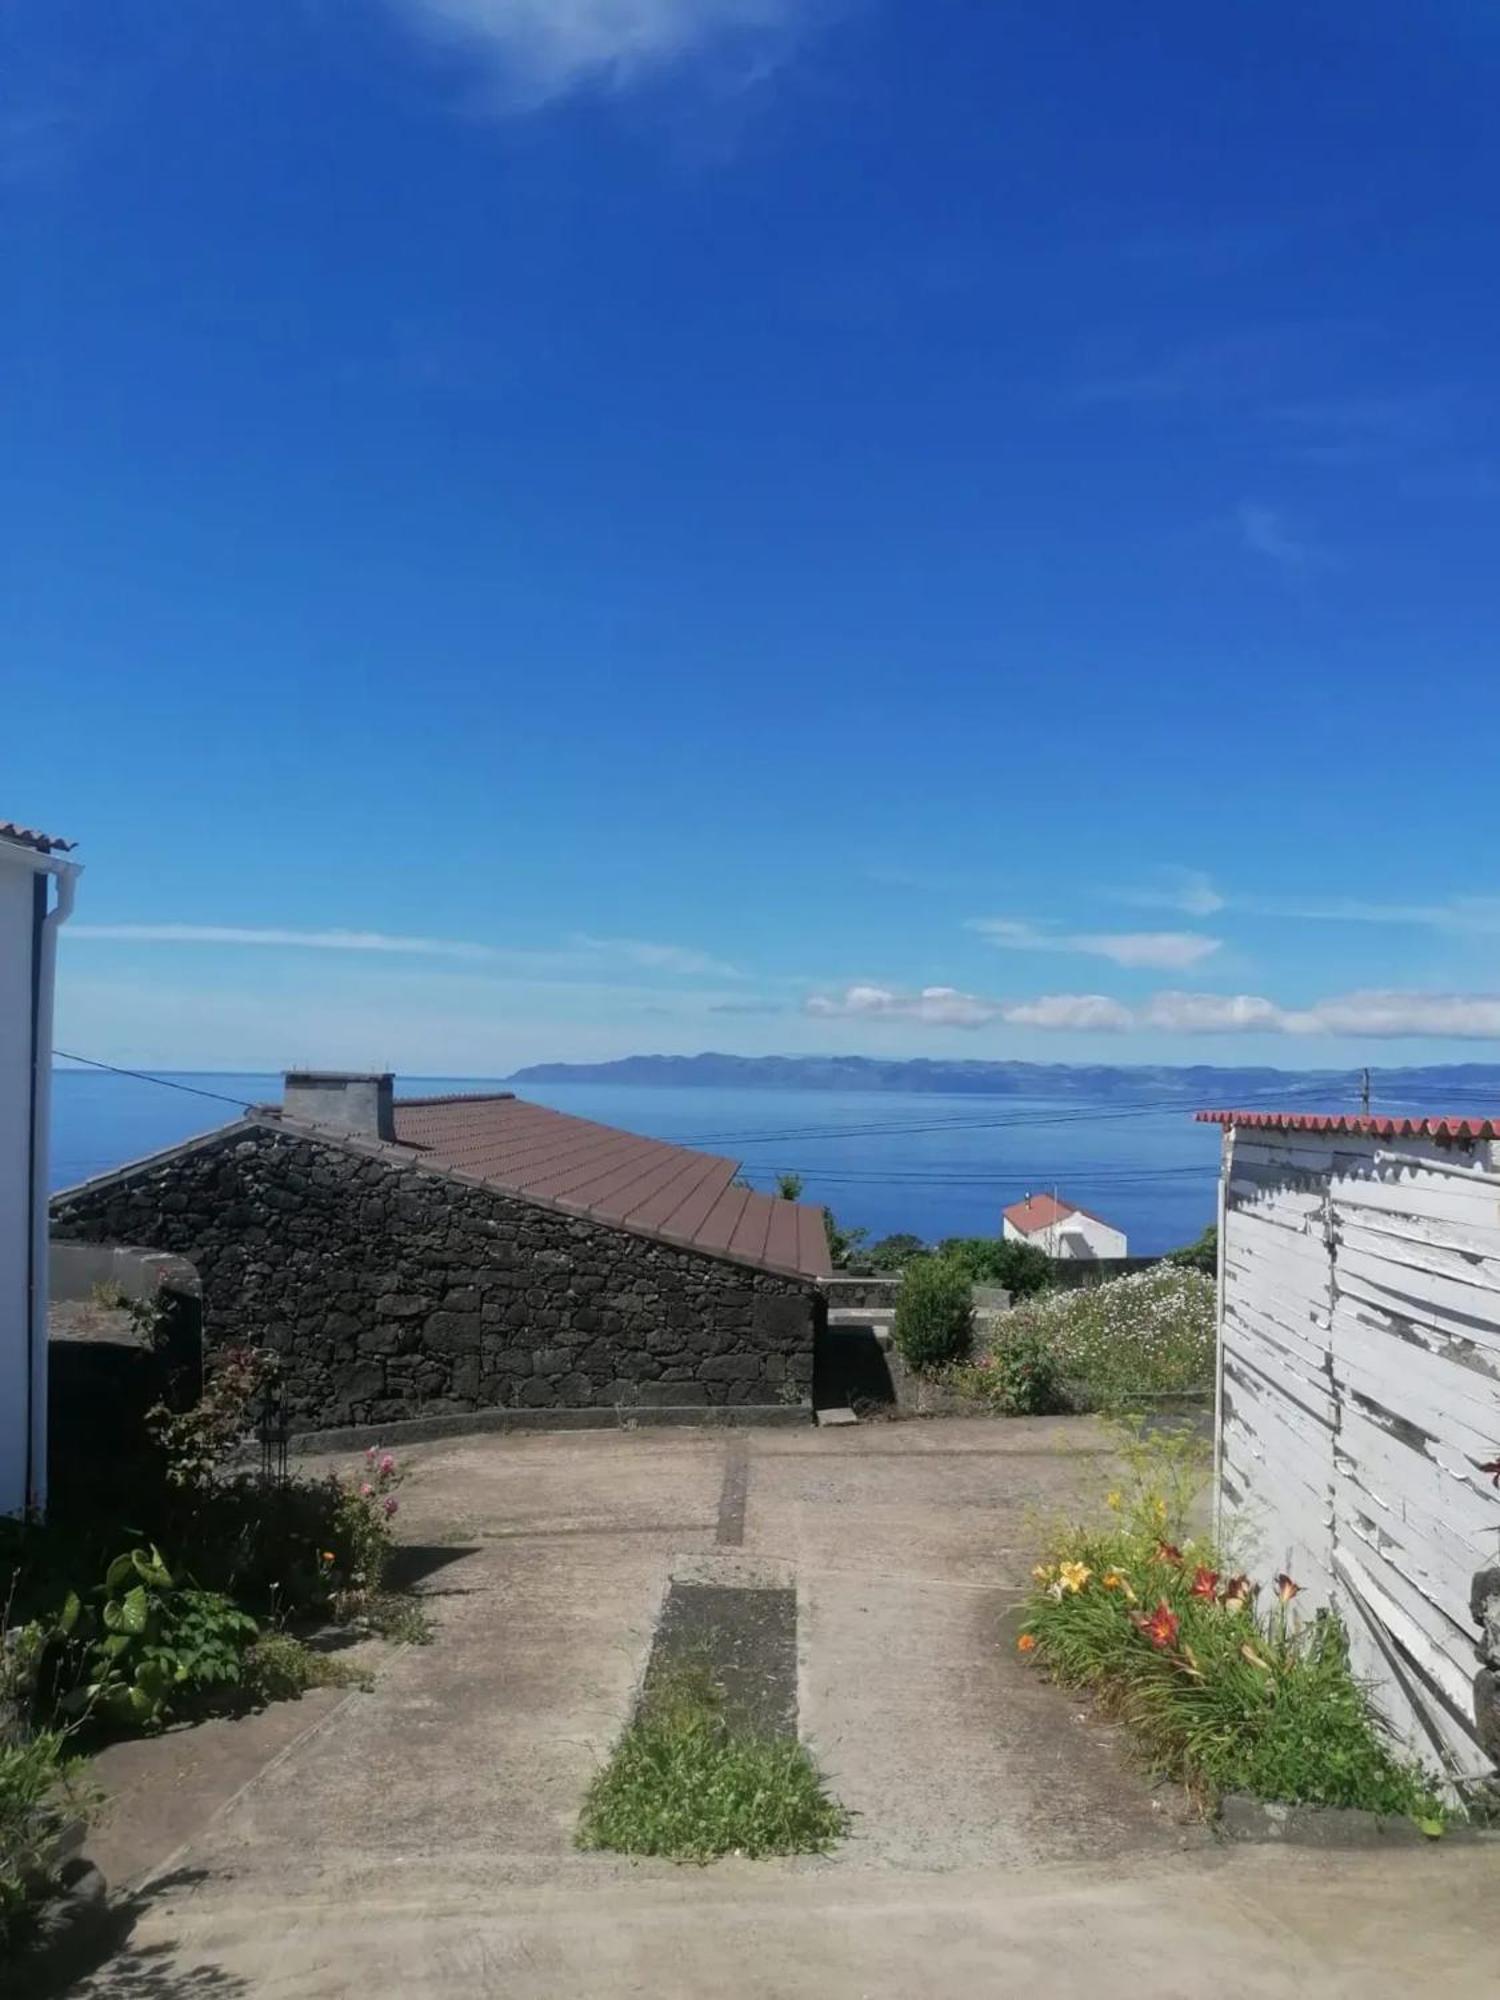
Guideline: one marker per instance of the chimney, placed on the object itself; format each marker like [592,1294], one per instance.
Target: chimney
[343,1100]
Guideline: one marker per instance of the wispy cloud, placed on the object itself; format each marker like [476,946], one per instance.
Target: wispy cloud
[678,958]
[1372,1015]
[1194,893]
[935,1006]
[1189,890]
[1166,951]
[542,49]
[295,940]
[1266,532]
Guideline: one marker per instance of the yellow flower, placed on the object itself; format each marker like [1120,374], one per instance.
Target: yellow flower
[1043,1573]
[1114,1580]
[1113,1500]
[1159,1508]
[1074,1575]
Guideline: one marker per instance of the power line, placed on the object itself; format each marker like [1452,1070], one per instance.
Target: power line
[141,1076]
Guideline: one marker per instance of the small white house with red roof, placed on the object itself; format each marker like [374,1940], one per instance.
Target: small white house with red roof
[1061,1228]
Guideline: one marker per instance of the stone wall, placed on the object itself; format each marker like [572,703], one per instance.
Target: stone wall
[391,1291]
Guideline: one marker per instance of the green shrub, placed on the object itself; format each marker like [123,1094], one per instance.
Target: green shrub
[1200,1255]
[894,1253]
[687,1784]
[934,1314]
[1020,1375]
[1021,1268]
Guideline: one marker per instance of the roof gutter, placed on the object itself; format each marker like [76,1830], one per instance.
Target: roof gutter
[43,991]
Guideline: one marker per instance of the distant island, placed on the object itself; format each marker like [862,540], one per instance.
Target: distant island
[1453,1087]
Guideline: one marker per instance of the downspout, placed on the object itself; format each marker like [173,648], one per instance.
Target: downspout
[1226,1168]
[44,987]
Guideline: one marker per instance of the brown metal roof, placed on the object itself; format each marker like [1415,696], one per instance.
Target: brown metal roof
[663,1190]
[27,836]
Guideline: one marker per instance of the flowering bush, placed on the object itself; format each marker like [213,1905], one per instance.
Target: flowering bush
[1019,1375]
[367,1505]
[1225,1686]
[1149,1334]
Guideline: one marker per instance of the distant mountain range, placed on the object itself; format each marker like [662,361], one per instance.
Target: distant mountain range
[1454,1087]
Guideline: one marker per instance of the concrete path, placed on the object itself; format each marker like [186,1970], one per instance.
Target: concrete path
[417,1840]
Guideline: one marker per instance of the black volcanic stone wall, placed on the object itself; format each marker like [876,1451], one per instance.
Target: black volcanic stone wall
[390,1292]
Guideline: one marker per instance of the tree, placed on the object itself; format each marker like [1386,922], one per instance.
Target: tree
[1203,1255]
[842,1243]
[1021,1268]
[893,1253]
[789,1187]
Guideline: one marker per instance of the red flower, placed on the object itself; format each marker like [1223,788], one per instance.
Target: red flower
[1286,1590]
[1161,1627]
[1205,1583]
[1168,1552]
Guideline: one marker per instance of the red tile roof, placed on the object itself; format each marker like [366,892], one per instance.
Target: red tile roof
[1042,1211]
[1369,1125]
[27,836]
[663,1190]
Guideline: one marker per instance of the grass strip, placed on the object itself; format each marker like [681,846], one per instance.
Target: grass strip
[688,1783]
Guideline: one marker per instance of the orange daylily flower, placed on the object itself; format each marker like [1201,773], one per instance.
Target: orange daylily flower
[1286,1590]
[1161,1627]
[1026,1643]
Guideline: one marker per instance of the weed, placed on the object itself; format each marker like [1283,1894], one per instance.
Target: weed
[687,1783]
[281,1668]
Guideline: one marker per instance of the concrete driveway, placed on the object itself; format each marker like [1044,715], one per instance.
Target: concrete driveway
[417,1839]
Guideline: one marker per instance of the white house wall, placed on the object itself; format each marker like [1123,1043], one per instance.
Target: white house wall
[16,923]
[1361,1392]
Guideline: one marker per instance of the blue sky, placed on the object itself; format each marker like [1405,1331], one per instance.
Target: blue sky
[560,527]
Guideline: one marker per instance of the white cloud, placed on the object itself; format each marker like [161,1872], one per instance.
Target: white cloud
[542,49]
[1083,1012]
[679,958]
[936,1006]
[1369,1015]
[1265,531]
[236,934]
[1211,1013]
[1166,951]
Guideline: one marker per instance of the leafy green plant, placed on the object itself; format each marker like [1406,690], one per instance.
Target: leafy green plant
[196,1442]
[1221,1692]
[1019,1375]
[789,1187]
[934,1323]
[41,1788]
[686,1783]
[160,1645]
[1021,1268]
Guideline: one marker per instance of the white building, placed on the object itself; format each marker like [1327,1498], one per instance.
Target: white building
[1359,1395]
[36,894]
[1061,1228]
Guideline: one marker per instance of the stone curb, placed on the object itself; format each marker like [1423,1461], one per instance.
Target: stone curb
[1242,1818]
[75,1929]
[623,1416]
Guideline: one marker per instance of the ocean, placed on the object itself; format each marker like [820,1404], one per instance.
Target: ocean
[935,1165]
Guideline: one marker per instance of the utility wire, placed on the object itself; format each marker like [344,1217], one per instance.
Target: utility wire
[141,1076]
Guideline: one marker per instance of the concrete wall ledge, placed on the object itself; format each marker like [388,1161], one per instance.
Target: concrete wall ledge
[622,1417]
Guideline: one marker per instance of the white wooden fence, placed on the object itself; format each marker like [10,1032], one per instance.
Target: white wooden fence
[1359,1395]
